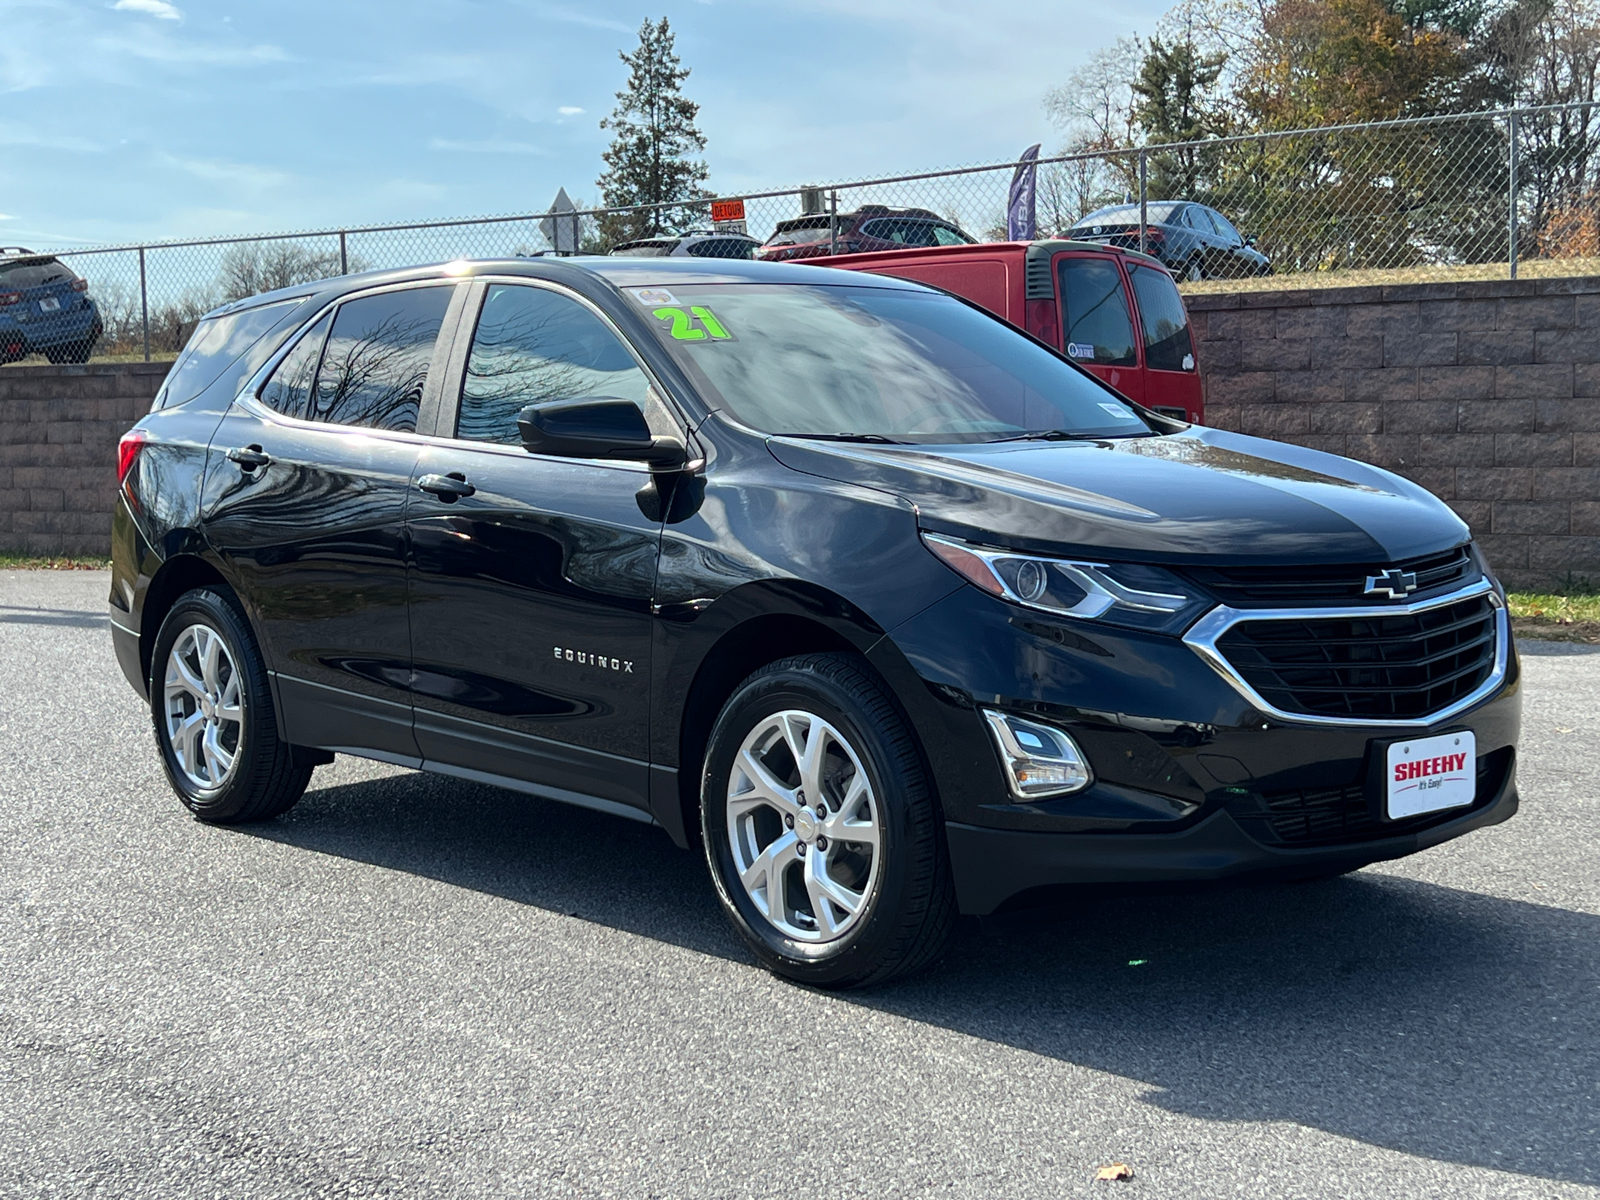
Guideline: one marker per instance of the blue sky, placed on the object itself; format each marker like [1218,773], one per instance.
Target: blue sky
[133,119]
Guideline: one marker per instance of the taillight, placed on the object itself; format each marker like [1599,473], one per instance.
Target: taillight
[80,285]
[10,298]
[127,450]
[1039,319]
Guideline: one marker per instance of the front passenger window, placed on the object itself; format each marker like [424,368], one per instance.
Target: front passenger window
[533,345]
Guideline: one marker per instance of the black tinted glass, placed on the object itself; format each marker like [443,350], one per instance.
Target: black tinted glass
[1099,329]
[229,348]
[907,233]
[721,248]
[534,345]
[1126,214]
[289,389]
[905,364]
[377,359]
[33,273]
[1224,226]
[1166,325]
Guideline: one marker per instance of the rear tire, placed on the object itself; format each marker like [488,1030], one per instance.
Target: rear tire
[215,725]
[820,826]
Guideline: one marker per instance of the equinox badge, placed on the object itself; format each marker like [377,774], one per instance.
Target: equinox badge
[1395,582]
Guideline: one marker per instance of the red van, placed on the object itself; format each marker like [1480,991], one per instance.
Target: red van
[1114,312]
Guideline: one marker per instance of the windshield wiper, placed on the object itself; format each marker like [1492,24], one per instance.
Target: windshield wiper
[849,437]
[1049,435]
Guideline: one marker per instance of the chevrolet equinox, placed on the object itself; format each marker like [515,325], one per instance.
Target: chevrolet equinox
[887,608]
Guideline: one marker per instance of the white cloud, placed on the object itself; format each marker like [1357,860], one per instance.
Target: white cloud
[569,110]
[156,8]
[6,217]
[489,146]
[219,171]
[11,136]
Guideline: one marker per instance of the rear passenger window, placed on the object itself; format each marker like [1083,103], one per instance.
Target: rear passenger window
[377,359]
[1166,325]
[1098,327]
[534,345]
[289,389]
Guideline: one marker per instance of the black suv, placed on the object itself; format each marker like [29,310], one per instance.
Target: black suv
[1192,241]
[872,227]
[891,609]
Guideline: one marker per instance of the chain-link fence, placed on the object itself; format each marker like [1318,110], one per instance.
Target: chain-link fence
[1482,195]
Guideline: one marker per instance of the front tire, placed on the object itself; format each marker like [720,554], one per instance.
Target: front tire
[214,722]
[1196,270]
[820,827]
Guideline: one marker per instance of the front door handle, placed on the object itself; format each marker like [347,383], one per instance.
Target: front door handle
[448,488]
[249,458]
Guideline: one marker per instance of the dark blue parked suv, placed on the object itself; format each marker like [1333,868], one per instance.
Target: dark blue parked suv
[45,308]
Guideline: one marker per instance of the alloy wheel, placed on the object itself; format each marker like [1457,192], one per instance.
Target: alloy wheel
[203,706]
[804,827]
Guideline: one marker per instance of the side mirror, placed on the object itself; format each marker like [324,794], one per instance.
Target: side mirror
[1251,241]
[597,427]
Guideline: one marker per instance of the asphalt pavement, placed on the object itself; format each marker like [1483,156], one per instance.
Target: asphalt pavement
[414,986]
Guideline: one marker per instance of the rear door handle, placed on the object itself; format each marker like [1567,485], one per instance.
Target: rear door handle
[448,488]
[250,458]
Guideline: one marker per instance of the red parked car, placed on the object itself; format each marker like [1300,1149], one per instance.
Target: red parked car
[870,228]
[1114,312]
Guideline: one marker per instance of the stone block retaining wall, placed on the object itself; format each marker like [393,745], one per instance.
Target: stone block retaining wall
[1487,394]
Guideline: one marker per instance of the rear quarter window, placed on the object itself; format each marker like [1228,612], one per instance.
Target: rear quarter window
[233,346]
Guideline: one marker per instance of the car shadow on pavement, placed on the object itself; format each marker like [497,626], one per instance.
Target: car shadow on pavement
[1424,1019]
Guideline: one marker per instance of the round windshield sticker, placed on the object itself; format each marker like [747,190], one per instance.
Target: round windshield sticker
[650,297]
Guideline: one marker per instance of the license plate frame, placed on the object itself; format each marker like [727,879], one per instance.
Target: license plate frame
[50,304]
[1420,777]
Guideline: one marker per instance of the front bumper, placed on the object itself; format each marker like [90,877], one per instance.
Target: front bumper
[993,866]
[1191,781]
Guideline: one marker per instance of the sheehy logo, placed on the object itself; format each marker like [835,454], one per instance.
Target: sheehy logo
[1427,768]
[1395,582]
[585,658]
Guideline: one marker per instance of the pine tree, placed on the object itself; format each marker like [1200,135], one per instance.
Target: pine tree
[649,160]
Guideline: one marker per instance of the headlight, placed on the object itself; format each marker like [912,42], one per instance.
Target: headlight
[1138,596]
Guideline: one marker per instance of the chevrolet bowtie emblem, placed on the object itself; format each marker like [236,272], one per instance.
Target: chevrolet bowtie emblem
[1393,582]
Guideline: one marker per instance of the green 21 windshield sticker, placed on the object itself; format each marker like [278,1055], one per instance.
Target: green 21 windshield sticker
[684,328]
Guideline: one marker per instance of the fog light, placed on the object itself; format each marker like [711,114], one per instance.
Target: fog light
[1039,760]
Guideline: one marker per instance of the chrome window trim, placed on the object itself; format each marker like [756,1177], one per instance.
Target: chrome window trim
[1204,634]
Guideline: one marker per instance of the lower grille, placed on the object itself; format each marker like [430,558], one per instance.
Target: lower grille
[1382,667]
[1344,815]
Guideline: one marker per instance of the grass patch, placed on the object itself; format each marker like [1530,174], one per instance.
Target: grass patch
[132,356]
[36,562]
[1573,617]
[1535,268]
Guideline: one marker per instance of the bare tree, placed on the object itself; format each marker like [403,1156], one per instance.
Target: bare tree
[250,268]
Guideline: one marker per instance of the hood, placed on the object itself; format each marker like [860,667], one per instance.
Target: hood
[1201,495]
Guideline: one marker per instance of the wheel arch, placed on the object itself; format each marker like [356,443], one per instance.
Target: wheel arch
[177,575]
[737,654]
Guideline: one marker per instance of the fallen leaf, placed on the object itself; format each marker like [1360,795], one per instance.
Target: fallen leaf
[1114,1171]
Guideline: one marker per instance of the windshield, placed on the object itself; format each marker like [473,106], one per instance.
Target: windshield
[880,363]
[804,233]
[1128,215]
